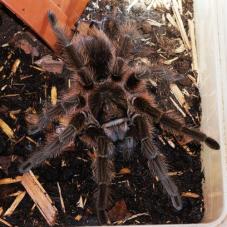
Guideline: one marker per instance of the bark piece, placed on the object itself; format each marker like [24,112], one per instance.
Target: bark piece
[40,197]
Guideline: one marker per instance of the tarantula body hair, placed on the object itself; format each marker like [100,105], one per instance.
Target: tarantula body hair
[108,107]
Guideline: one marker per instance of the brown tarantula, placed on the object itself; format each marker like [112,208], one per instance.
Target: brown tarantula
[109,107]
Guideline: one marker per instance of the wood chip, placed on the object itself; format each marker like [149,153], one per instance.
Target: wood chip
[10,180]
[15,203]
[153,23]
[180,25]
[61,198]
[6,129]
[177,173]
[31,140]
[5,222]
[171,143]
[37,68]
[54,95]
[81,202]
[15,65]
[33,207]
[124,171]
[175,90]
[193,45]
[170,61]
[40,197]
[180,48]
[78,217]
[190,195]
[162,4]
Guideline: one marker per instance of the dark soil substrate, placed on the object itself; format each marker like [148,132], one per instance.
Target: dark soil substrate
[136,192]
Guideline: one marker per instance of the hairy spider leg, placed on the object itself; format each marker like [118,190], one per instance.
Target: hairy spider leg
[144,105]
[103,171]
[73,58]
[118,69]
[156,162]
[55,147]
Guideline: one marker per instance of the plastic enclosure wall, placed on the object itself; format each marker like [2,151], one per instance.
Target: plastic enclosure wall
[211,38]
[211,54]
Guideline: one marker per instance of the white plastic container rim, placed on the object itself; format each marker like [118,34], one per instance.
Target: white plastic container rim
[211,37]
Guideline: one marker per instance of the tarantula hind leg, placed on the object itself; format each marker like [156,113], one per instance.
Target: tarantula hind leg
[103,172]
[54,148]
[155,160]
[144,105]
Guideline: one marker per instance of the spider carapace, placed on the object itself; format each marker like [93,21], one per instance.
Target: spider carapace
[109,107]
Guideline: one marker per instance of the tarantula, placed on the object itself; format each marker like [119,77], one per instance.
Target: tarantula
[109,107]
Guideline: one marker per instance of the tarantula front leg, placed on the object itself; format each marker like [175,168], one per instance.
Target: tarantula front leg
[156,162]
[73,58]
[62,107]
[144,105]
[55,146]
[102,168]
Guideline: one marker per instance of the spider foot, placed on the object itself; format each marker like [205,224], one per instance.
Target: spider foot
[212,143]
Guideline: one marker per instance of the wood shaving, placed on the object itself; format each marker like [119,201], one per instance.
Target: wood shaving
[15,65]
[54,95]
[78,217]
[61,198]
[15,203]
[6,129]
[190,195]
[125,171]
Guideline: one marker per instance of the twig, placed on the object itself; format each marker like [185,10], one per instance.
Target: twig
[61,198]
[193,44]
[180,25]
[14,205]
[40,197]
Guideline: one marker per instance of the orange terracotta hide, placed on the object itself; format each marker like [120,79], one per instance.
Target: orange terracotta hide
[34,14]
